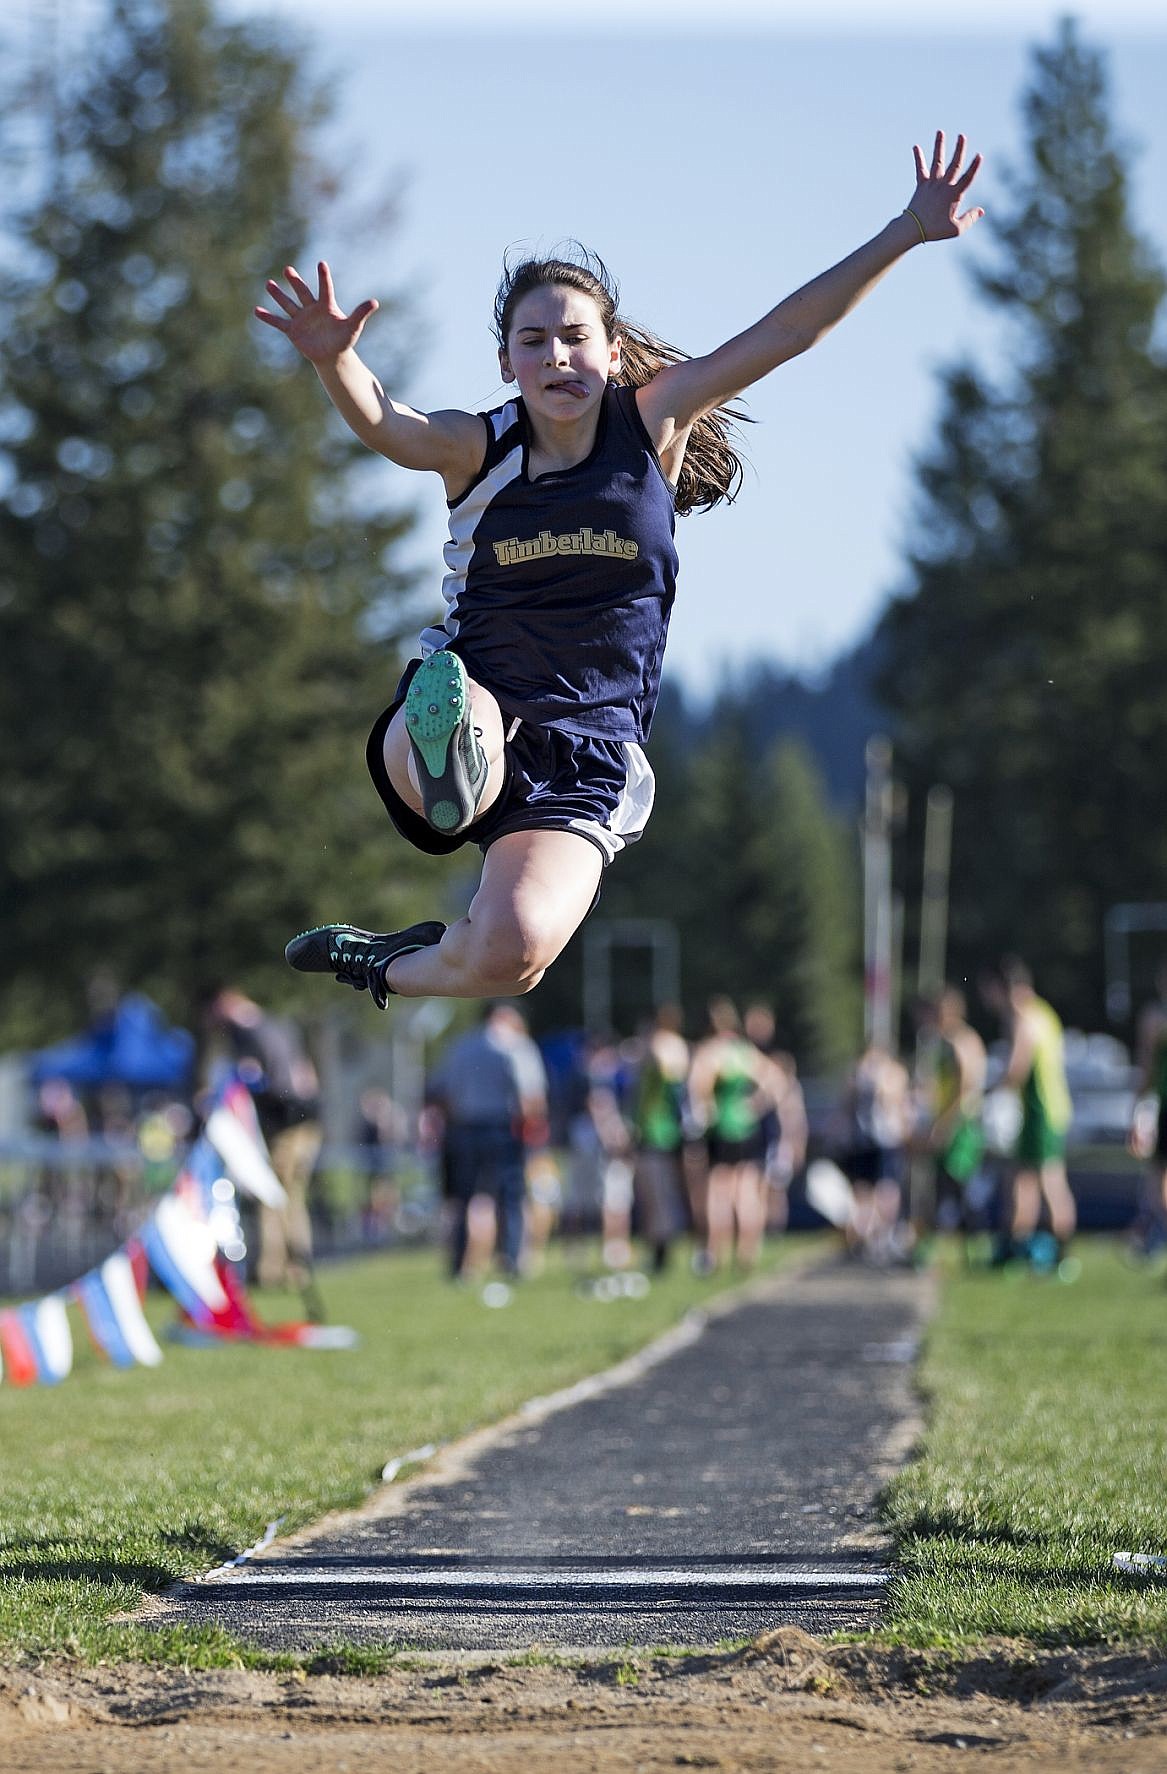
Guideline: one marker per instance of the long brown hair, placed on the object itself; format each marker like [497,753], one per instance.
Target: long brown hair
[712,469]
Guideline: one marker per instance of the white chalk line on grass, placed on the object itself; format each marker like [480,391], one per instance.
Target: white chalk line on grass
[241,1558]
[559,1577]
[414,1457]
[1140,1564]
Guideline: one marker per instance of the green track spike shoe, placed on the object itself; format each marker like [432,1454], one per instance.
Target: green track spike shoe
[451,764]
[358,958]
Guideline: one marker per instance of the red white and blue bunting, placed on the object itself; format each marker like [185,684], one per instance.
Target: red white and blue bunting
[189,1244]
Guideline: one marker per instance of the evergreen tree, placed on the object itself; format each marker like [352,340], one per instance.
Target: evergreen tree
[193,617]
[802,928]
[1025,664]
[724,884]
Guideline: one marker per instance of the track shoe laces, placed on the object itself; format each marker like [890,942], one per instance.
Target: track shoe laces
[451,764]
[358,958]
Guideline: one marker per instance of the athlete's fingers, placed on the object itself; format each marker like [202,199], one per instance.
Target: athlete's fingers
[966,221]
[957,160]
[281,326]
[306,295]
[938,155]
[286,303]
[962,184]
[921,168]
[327,293]
[363,310]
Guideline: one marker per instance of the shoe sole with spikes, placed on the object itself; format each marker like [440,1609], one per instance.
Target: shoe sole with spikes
[451,765]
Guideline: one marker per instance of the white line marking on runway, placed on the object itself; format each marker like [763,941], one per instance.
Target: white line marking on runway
[630,1577]
[904,1351]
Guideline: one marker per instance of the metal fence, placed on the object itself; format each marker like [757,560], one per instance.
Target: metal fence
[65,1205]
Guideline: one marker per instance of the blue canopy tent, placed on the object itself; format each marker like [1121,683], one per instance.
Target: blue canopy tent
[133,1046]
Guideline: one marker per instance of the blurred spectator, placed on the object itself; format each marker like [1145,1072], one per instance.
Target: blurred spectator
[381,1133]
[60,1110]
[1148,1130]
[600,1151]
[492,1090]
[788,1157]
[117,1186]
[1036,1069]
[271,1058]
[732,1085]
[162,1132]
[659,1128]
[544,1203]
[878,1115]
[784,1124]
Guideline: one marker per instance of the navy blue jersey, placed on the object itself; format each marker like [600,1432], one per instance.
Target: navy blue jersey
[559,590]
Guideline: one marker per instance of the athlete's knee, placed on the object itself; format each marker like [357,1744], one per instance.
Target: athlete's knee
[513,952]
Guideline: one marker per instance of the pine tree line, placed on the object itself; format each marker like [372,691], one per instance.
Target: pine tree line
[1025,664]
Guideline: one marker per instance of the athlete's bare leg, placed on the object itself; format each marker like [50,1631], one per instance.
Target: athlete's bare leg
[402,769]
[750,1210]
[1059,1198]
[1026,1207]
[536,890]
[719,1205]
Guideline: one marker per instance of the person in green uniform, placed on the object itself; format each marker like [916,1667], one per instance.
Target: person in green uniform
[659,1113]
[1036,1070]
[956,1069]
[731,1086]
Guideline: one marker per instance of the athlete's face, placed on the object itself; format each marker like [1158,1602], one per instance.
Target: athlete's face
[558,353]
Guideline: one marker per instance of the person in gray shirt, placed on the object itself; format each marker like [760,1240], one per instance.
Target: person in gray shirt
[492,1090]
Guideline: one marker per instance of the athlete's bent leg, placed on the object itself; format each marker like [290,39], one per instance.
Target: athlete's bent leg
[401,762]
[536,890]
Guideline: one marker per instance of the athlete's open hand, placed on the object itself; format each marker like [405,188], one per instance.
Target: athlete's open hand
[939,189]
[316,324]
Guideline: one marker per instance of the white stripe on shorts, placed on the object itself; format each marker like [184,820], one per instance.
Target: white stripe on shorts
[631,812]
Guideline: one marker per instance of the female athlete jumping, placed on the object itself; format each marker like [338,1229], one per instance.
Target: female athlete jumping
[520,726]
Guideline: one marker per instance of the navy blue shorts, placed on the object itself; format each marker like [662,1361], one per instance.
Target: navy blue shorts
[555,781]
[876,1164]
[750,1150]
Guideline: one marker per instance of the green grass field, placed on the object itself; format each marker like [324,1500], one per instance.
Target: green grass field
[1045,1454]
[117,1482]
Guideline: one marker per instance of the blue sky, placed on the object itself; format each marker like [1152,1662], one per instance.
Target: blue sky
[714,172]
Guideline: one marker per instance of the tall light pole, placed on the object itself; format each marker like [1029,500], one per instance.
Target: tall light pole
[878,919]
[931,967]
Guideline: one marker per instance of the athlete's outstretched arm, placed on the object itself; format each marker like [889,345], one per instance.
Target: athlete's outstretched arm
[450,443]
[683,392]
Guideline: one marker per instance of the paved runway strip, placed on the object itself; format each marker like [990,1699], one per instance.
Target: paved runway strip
[722,1486]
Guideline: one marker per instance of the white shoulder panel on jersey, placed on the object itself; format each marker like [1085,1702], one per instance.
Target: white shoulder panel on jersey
[464,521]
